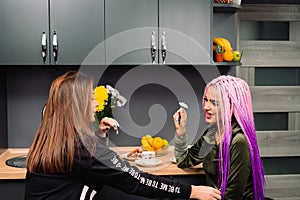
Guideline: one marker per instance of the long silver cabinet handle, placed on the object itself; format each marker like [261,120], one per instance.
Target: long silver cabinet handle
[55,46]
[153,47]
[44,46]
[163,47]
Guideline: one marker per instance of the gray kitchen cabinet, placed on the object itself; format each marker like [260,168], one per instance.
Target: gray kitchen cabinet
[79,26]
[187,25]
[22,24]
[36,32]
[128,28]
[134,28]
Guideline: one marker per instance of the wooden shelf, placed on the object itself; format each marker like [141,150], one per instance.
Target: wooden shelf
[228,63]
[226,7]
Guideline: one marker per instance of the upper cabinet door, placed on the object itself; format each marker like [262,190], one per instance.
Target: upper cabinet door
[22,25]
[131,28]
[186,30]
[77,32]
[158,31]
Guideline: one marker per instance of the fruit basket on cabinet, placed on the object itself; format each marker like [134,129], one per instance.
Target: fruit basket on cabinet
[223,53]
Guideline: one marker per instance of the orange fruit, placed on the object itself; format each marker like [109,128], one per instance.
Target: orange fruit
[214,47]
[157,142]
[228,55]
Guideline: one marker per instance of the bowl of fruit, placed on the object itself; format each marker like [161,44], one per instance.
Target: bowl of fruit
[157,144]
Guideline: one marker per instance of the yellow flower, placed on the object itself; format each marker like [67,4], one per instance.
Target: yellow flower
[101,96]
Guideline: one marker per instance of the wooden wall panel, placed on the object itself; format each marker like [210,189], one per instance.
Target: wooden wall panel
[247,74]
[283,187]
[266,53]
[295,31]
[294,121]
[270,53]
[268,12]
[275,98]
[278,143]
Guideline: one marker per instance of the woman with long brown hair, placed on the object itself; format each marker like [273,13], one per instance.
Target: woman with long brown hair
[67,158]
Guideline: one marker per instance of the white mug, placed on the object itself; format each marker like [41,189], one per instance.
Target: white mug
[148,157]
[238,2]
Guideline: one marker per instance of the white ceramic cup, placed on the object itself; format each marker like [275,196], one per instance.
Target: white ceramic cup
[238,2]
[148,157]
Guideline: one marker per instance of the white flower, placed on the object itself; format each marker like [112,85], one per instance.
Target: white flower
[111,90]
[117,100]
[121,101]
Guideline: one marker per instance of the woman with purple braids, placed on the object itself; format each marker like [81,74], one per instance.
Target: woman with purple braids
[228,148]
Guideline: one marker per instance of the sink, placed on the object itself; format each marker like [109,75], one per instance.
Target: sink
[19,162]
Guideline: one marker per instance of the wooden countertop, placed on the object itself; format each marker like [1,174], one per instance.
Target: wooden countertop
[7,172]
[165,168]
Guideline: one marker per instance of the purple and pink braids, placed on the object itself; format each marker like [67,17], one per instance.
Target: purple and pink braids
[235,100]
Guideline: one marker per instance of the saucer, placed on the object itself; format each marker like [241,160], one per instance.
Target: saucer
[141,163]
[173,159]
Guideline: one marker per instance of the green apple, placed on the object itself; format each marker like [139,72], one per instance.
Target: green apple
[236,56]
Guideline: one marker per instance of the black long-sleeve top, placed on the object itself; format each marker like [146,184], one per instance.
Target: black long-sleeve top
[105,167]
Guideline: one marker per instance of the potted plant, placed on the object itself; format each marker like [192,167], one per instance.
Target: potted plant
[219,54]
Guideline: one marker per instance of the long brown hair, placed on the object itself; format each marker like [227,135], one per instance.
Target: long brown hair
[66,122]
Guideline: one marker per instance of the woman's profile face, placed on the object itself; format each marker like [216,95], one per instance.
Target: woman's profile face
[211,106]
